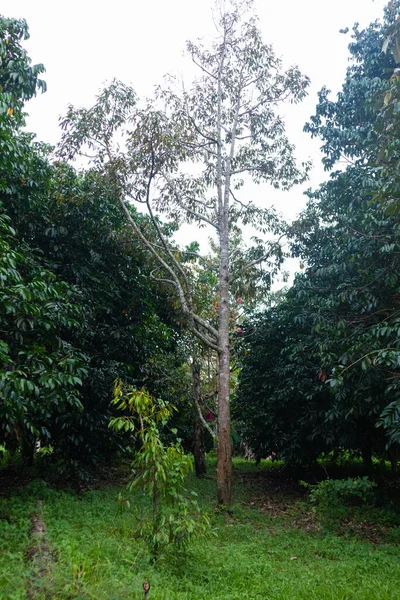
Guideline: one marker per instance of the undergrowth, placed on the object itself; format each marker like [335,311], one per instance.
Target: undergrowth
[273,545]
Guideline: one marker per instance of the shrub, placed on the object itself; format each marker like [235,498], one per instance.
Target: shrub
[331,492]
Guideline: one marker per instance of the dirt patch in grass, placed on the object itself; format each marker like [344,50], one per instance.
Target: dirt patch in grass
[366,530]
[307,522]
[272,491]
[273,482]
[40,558]
[14,478]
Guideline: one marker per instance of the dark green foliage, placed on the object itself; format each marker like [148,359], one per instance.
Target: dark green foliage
[42,372]
[19,80]
[78,308]
[280,400]
[328,356]
[347,125]
[124,330]
[330,492]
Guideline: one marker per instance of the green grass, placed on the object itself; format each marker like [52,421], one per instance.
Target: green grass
[258,553]
[14,539]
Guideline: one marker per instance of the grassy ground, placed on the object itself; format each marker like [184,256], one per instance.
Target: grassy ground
[273,546]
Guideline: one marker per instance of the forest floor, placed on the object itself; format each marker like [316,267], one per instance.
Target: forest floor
[273,545]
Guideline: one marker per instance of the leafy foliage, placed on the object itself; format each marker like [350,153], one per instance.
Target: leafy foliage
[19,80]
[336,336]
[161,472]
[77,309]
[330,492]
[42,372]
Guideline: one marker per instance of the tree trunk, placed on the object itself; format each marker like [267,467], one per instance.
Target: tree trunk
[366,453]
[198,439]
[198,448]
[224,464]
[27,449]
[154,544]
[394,457]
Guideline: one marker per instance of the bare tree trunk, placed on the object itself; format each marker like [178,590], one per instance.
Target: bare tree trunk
[240,87]
[366,453]
[155,515]
[224,464]
[198,439]
[198,448]
[394,457]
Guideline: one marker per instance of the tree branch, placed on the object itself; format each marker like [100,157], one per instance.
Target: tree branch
[203,338]
[165,265]
[265,256]
[245,206]
[203,68]
[206,325]
[202,419]
[197,215]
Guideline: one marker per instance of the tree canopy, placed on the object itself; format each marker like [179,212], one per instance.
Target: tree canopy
[336,360]
[94,287]
[77,307]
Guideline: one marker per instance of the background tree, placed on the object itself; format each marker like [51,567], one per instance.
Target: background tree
[41,371]
[345,304]
[77,309]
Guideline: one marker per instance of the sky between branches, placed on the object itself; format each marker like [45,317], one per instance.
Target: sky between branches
[84,43]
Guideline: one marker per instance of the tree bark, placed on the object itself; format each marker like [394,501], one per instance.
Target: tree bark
[394,457]
[224,462]
[27,449]
[366,453]
[198,438]
[198,448]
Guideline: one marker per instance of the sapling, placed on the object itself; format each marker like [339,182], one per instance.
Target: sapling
[160,471]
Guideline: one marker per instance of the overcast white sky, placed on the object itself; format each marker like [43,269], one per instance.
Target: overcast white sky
[84,43]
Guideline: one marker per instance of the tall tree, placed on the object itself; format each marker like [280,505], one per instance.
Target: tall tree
[229,126]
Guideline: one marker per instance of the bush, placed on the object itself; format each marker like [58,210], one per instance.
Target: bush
[331,492]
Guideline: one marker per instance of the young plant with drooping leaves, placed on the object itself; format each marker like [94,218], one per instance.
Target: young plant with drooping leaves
[160,471]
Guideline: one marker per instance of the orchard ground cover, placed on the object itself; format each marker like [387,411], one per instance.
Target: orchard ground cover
[272,544]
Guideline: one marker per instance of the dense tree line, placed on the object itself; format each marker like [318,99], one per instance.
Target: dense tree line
[78,307]
[322,371]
